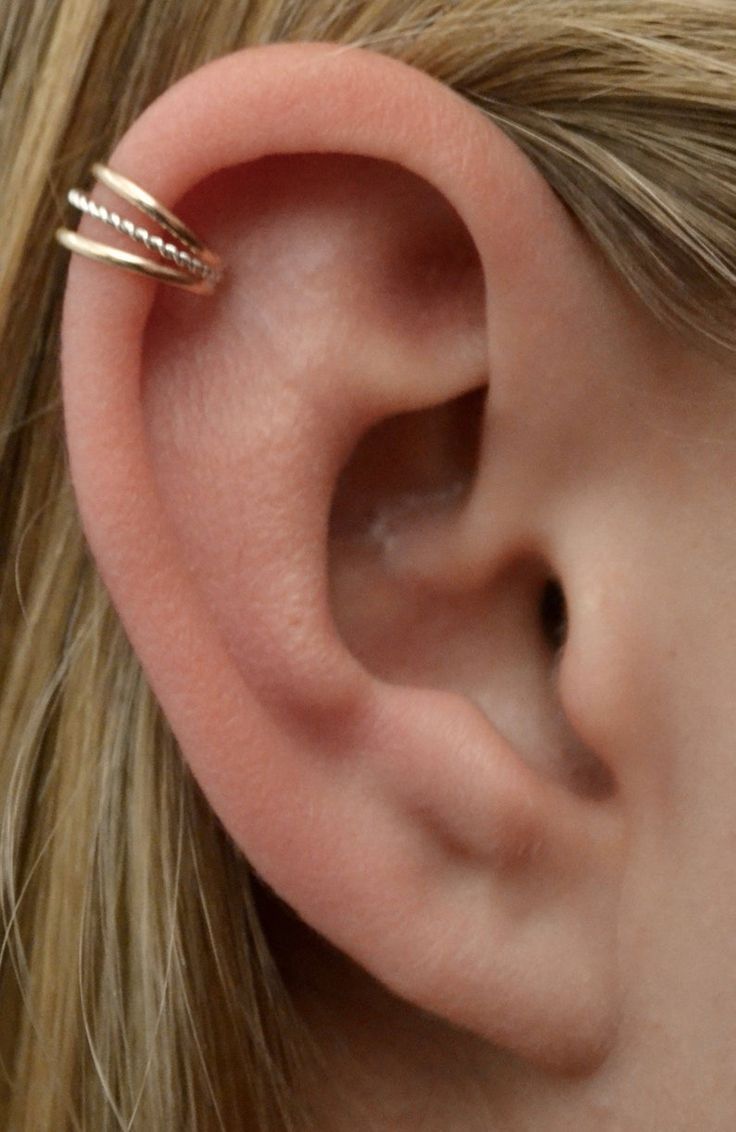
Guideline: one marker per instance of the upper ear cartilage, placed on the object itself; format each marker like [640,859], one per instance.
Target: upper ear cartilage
[196,268]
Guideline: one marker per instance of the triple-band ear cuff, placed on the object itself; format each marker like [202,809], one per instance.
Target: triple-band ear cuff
[187,263]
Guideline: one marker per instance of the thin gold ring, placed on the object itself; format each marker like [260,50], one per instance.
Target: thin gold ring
[195,267]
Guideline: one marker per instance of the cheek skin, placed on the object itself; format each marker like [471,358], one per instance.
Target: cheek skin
[654,554]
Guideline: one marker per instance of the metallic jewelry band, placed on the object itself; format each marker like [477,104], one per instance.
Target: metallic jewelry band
[196,267]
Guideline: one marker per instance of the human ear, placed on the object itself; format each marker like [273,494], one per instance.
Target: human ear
[388,252]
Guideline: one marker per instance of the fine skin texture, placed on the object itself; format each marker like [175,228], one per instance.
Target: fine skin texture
[328,503]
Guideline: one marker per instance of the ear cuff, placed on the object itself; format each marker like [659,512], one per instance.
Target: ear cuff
[186,263]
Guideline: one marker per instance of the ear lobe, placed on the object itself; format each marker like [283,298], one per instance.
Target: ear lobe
[206,438]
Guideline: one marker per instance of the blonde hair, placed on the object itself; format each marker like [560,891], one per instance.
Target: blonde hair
[133,954]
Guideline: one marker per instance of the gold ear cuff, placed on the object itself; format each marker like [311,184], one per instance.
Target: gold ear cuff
[187,263]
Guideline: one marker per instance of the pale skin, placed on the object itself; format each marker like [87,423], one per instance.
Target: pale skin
[511,834]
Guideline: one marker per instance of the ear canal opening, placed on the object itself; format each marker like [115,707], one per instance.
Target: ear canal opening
[553,614]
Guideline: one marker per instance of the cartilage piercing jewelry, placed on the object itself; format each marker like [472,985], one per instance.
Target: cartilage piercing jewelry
[183,261]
